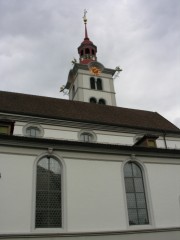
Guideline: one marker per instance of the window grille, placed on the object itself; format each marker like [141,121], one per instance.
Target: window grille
[135,194]
[48,194]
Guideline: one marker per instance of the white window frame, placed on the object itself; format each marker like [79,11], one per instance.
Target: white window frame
[32,125]
[147,191]
[94,137]
[63,196]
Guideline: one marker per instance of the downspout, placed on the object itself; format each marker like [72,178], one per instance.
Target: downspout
[164,137]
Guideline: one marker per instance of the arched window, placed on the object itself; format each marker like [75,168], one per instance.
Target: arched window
[81,52]
[92,83]
[86,137]
[102,101]
[99,84]
[33,131]
[87,51]
[93,100]
[93,52]
[135,194]
[48,193]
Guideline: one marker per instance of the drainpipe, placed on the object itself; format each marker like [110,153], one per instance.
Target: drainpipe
[164,137]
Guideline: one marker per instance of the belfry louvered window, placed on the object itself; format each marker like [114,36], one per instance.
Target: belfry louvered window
[135,194]
[48,193]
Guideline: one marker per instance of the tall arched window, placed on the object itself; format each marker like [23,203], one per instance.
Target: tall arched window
[135,194]
[99,84]
[48,193]
[92,83]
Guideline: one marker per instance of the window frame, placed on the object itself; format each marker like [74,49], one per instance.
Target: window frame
[31,125]
[96,83]
[63,228]
[46,190]
[99,85]
[9,125]
[92,81]
[147,192]
[86,137]
[90,132]
[103,101]
[91,99]
[130,187]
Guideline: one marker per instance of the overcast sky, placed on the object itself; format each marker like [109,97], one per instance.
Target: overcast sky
[39,38]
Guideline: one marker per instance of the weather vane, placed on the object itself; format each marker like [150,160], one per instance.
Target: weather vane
[118,70]
[84,17]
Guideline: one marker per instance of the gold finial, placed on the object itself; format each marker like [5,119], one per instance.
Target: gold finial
[84,17]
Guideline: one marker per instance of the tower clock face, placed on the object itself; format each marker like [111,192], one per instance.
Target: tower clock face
[95,68]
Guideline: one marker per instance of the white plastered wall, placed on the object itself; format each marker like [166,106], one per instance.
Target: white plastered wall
[164,182]
[84,93]
[15,192]
[95,196]
[68,133]
[94,188]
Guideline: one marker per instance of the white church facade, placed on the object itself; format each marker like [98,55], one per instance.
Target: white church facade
[84,168]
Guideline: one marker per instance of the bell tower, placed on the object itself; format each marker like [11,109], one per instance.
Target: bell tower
[89,81]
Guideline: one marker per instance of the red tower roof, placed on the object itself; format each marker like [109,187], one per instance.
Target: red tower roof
[87,50]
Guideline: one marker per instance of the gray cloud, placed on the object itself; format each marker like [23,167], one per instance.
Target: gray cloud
[39,38]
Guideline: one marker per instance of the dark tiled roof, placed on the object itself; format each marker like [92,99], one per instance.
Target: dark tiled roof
[47,107]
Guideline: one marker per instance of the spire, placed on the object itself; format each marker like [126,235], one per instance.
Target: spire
[87,50]
[85,24]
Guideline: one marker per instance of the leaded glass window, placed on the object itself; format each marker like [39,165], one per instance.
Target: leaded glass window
[48,194]
[135,194]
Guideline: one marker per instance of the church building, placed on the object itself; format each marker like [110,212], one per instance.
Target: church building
[85,168]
